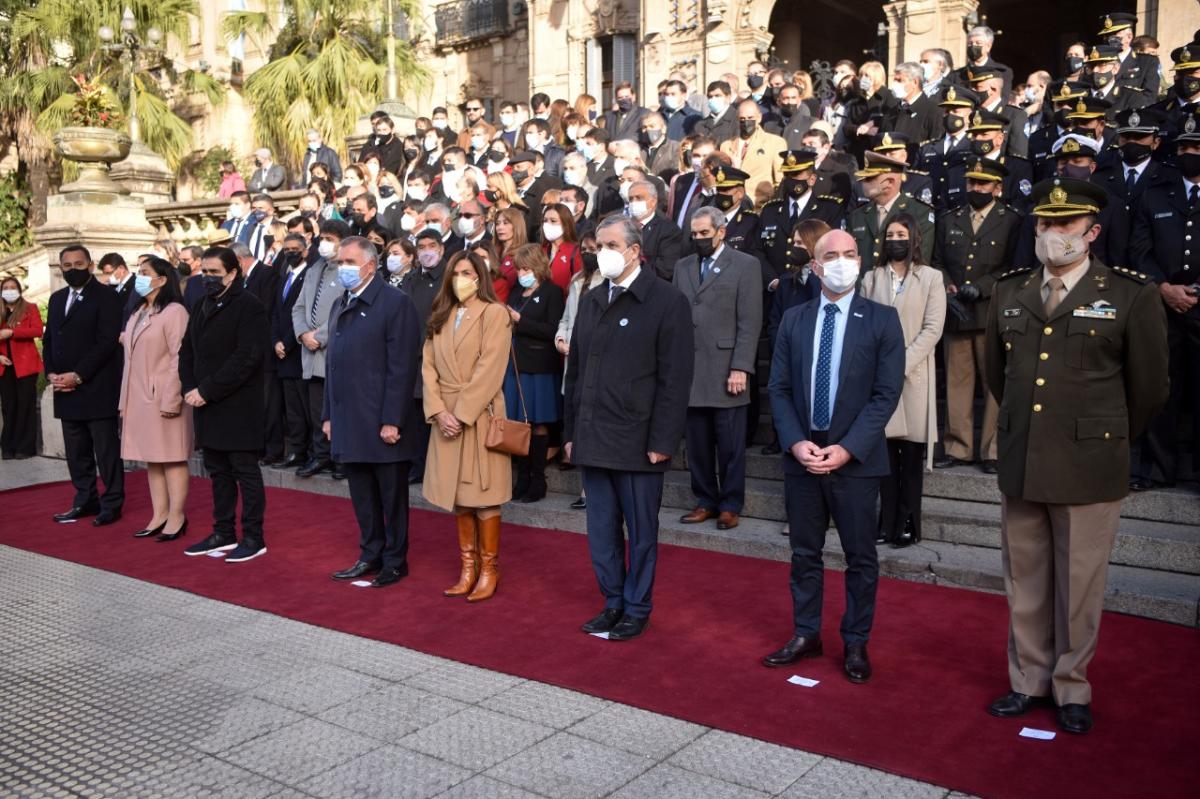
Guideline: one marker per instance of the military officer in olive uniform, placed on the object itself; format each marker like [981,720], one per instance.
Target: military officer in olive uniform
[974,245]
[1138,71]
[935,157]
[797,202]
[1062,95]
[882,181]
[917,182]
[1076,355]
[989,140]
[1165,244]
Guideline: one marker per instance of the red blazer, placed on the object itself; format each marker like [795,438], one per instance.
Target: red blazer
[567,261]
[501,287]
[20,349]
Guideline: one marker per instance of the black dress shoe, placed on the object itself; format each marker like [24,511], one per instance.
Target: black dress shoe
[947,462]
[1075,719]
[1014,703]
[386,578]
[772,449]
[800,646]
[359,569]
[314,466]
[75,514]
[293,461]
[415,479]
[990,467]
[150,531]
[604,622]
[857,665]
[166,537]
[1141,484]
[339,471]
[628,627]
[106,517]
[579,504]
[271,460]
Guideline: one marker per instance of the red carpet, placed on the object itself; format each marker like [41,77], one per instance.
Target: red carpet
[939,653]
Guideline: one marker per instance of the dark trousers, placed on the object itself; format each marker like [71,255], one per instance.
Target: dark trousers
[231,471]
[634,499]
[1158,454]
[296,420]
[273,402]
[716,455]
[379,492]
[319,444]
[92,444]
[810,500]
[900,491]
[18,404]
[421,430]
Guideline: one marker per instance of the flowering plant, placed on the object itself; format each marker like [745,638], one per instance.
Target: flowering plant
[94,106]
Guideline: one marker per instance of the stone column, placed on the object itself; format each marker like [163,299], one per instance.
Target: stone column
[916,25]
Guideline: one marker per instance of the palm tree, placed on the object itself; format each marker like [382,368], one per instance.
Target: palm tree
[325,69]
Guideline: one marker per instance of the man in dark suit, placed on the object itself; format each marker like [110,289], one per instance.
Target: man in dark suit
[319,153]
[680,117]
[286,350]
[83,364]
[797,201]
[422,285]
[660,153]
[539,140]
[532,183]
[241,219]
[979,59]
[625,122]
[695,189]
[916,115]
[836,377]
[721,123]
[725,291]
[268,176]
[262,281]
[794,119]
[221,371]
[471,227]
[117,275]
[371,368]
[1127,171]
[662,241]
[629,369]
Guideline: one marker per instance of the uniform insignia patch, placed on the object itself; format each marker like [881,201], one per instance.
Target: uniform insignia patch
[1010,313]
[1100,309]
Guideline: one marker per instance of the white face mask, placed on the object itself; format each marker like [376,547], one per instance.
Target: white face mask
[440,124]
[573,132]
[417,194]
[899,91]
[408,222]
[865,84]
[697,162]
[10,295]
[507,121]
[465,227]
[395,263]
[496,166]
[327,249]
[611,262]
[839,274]
[638,208]
[1031,94]
[619,165]
[478,142]
[373,167]
[574,177]
[551,231]
[1059,249]
[624,191]
[113,280]
[927,69]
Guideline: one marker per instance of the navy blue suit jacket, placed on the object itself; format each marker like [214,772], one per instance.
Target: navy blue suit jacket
[870,377]
[372,364]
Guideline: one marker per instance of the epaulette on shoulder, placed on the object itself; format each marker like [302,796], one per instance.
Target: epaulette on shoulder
[769,203]
[927,141]
[1023,270]
[1131,274]
[917,171]
[834,197]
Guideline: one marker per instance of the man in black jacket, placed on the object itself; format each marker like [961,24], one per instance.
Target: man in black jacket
[629,371]
[221,371]
[662,240]
[286,351]
[262,280]
[83,365]
[422,285]
[319,153]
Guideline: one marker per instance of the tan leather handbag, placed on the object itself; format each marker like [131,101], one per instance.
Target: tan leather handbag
[509,435]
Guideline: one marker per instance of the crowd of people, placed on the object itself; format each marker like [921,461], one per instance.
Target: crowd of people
[624,279]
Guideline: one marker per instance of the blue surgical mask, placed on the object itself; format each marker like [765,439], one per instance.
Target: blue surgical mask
[585,150]
[717,105]
[141,284]
[526,280]
[348,276]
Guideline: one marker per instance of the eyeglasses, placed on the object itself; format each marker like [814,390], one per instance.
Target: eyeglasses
[474,108]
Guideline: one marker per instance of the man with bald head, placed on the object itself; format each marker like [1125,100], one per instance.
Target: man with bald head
[836,377]
[756,152]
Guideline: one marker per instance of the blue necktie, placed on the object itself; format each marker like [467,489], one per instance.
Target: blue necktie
[820,420]
[1130,182]
[287,286]
[705,266]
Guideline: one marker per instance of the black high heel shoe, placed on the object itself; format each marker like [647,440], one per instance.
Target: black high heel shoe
[149,532]
[165,537]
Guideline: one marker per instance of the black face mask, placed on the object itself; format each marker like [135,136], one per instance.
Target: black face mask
[754,81]
[1189,164]
[787,109]
[491,195]
[1134,153]
[519,176]
[590,264]
[410,154]
[896,249]
[723,201]
[292,258]
[213,286]
[1060,118]
[953,123]
[1101,79]
[308,214]
[794,188]
[1186,86]
[625,104]
[386,191]
[747,126]
[496,157]
[1075,171]
[979,147]
[705,247]
[357,220]
[1074,64]
[979,199]
[974,52]
[77,278]
[797,257]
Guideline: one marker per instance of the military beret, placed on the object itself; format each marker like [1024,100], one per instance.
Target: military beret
[1061,197]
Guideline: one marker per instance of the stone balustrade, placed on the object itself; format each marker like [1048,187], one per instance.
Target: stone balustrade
[195,222]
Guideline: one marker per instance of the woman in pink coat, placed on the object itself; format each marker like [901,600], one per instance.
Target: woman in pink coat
[156,424]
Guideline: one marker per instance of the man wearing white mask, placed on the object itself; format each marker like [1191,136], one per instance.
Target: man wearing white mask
[471,226]
[680,117]
[575,174]
[916,117]
[629,369]
[537,139]
[662,240]
[836,376]
[935,67]
[721,123]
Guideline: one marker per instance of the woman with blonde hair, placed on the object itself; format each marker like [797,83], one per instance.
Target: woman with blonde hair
[585,106]
[278,232]
[504,192]
[467,344]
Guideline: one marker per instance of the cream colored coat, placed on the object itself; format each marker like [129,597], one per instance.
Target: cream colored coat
[758,157]
[150,387]
[922,309]
[463,372]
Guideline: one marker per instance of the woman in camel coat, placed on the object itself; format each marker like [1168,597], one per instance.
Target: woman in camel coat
[918,294]
[156,424]
[466,351]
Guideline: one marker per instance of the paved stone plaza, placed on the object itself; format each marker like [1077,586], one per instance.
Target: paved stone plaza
[114,687]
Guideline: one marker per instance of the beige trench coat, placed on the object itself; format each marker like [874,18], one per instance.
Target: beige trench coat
[922,309]
[463,372]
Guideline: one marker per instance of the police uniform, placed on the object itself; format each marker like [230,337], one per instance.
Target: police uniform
[1186,62]
[1126,181]
[780,216]
[971,251]
[1062,95]
[1015,140]
[864,223]
[935,156]
[1078,363]
[1165,244]
[917,182]
[1121,98]
[1018,180]
[1139,71]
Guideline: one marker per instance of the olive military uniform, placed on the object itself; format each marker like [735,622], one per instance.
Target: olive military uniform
[863,224]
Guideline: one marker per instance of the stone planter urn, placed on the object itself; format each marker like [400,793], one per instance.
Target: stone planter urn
[94,149]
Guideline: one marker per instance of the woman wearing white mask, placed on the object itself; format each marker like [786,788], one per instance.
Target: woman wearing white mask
[536,307]
[156,423]
[399,257]
[20,365]
[466,348]
[561,245]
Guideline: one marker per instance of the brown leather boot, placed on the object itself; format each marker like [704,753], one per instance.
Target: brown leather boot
[468,547]
[489,549]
